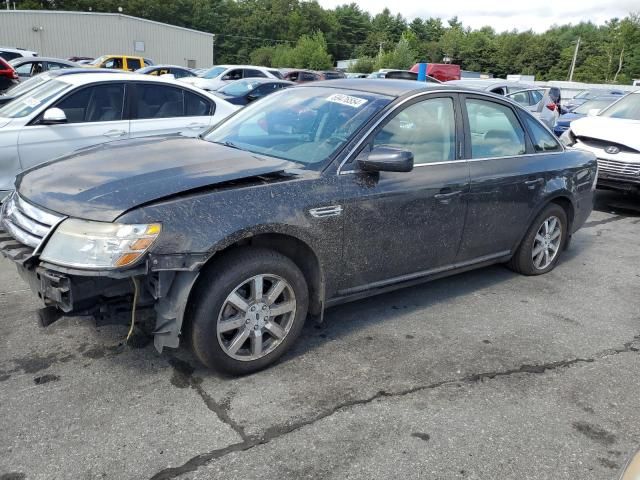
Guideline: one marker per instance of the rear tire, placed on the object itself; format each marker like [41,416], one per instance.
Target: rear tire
[249,308]
[543,244]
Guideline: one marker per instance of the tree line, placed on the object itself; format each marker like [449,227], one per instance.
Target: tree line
[302,34]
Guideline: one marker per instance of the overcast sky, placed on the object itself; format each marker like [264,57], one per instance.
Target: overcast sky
[538,15]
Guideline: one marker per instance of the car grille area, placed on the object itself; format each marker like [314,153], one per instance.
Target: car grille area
[619,168]
[23,227]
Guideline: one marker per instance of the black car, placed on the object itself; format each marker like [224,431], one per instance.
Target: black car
[314,196]
[175,70]
[246,90]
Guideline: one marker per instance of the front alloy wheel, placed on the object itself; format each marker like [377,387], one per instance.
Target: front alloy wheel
[256,317]
[247,309]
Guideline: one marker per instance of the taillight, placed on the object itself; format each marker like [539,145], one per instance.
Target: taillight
[551,106]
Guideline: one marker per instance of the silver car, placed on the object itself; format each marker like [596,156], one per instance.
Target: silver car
[80,110]
[534,99]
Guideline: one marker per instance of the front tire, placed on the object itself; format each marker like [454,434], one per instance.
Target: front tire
[542,246]
[250,307]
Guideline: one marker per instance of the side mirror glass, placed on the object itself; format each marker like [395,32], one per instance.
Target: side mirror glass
[593,112]
[386,159]
[53,116]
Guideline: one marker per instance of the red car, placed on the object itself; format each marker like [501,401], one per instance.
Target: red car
[8,75]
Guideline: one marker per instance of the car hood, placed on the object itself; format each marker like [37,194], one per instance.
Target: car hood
[567,118]
[615,130]
[103,182]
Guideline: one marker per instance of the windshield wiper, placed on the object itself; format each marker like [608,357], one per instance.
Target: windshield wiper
[229,144]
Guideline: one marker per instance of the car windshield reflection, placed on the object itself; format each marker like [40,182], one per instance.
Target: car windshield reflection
[305,125]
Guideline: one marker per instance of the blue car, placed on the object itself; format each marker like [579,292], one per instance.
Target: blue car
[598,103]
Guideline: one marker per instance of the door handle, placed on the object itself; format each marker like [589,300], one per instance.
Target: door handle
[196,126]
[531,184]
[445,198]
[115,133]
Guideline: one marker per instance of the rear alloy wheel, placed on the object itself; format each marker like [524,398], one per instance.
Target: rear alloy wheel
[249,308]
[541,247]
[547,242]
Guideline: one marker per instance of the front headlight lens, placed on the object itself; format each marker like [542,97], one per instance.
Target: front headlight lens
[86,244]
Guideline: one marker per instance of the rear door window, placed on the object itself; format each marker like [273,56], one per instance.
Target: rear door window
[252,73]
[158,101]
[495,130]
[133,63]
[196,106]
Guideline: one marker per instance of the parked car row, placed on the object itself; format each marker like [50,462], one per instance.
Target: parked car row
[63,113]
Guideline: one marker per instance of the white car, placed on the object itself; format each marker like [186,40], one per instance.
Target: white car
[218,76]
[614,137]
[79,110]
[9,53]
[538,102]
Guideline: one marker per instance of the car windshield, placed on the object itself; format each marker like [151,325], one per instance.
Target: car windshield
[27,85]
[628,108]
[241,87]
[98,60]
[305,125]
[593,104]
[213,72]
[24,105]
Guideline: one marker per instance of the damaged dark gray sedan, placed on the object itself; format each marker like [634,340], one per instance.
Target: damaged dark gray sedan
[313,196]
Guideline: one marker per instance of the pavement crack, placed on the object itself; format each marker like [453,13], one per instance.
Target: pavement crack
[183,377]
[278,431]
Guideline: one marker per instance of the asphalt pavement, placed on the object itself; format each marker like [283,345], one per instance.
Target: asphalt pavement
[485,375]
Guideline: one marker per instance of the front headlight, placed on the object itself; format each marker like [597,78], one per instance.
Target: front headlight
[86,244]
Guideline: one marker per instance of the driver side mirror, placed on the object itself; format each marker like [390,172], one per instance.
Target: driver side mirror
[251,97]
[386,159]
[53,116]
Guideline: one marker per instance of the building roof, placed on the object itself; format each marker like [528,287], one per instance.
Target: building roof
[106,14]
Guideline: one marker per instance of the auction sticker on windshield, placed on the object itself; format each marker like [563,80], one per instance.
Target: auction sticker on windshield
[348,100]
[31,102]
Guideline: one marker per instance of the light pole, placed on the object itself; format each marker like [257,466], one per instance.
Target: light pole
[573,62]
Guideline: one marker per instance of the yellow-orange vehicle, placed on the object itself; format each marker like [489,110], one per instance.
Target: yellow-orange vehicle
[118,62]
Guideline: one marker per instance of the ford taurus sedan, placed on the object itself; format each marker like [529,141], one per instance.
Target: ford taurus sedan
[314,196]
[84,109]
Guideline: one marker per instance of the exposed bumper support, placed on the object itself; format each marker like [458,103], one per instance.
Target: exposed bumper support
[170,311]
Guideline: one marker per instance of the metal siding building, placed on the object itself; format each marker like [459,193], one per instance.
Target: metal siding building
[66,34]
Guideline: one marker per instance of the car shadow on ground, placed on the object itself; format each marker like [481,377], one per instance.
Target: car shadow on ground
[618,203]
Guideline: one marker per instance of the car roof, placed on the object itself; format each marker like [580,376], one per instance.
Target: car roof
[488,83]
[81,69]
[16,50]
[163,65]
[263,80]
[22,60]
[392,88]
[85,77]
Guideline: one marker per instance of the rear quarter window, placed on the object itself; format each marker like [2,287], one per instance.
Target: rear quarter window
[542,139]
